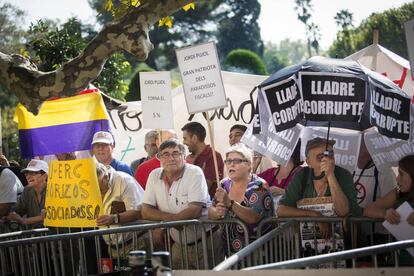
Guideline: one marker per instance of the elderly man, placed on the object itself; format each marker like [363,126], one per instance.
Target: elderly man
[150,147]
[102,147]
[176,191]
[320,179]
[143,170]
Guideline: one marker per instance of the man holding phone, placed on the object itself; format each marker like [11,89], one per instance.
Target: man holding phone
[322,178]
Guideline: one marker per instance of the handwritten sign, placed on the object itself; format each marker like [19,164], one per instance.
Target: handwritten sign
[409,36]
[339,97]
[156,100]
[73,198]
[201,76]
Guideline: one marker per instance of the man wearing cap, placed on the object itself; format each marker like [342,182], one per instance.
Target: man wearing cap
[102,148]
[320,179]
[30,207]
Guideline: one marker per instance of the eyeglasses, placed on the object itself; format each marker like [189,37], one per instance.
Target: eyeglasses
[235,161]
[166,155]
[320,156]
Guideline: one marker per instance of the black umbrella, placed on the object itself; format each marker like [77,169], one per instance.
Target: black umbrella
[343,93]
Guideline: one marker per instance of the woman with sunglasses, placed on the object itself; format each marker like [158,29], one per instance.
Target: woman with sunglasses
[241,195]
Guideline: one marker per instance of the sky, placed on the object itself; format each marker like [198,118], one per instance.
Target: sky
[278,19]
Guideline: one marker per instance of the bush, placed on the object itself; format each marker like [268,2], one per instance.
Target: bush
[134,93]
[242,60]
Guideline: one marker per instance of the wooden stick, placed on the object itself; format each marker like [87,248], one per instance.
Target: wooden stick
[375,37]
[211,133]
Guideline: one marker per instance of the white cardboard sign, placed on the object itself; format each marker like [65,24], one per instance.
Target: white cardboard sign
[201,76]
[156,99]
[409,36]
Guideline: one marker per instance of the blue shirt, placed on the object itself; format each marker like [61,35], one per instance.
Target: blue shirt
[121,166]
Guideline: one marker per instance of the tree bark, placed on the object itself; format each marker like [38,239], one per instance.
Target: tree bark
[130,33]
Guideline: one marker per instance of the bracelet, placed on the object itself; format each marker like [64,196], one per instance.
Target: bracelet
[231,205]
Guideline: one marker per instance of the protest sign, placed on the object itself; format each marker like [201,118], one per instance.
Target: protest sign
[385,151]
[409,36]
[73,197]
[312,241]
[156,100]
[278,146]
[332,96]
[346,148]
[390,111]
[201,76]
[283,102]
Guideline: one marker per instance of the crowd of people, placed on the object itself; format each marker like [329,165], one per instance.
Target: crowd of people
[168,185]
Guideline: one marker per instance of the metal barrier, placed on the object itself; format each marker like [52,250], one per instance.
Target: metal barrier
[266,248]
[338,256]
[196,245]
[347,238]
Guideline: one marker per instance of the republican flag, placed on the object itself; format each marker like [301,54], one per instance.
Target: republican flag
[62,125]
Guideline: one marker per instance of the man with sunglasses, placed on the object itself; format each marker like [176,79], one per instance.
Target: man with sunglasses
[176,191]
[322,178]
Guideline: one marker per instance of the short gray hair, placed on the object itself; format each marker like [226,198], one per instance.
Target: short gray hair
[242,150]
[152,134]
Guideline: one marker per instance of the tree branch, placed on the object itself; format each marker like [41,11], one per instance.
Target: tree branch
[18,75]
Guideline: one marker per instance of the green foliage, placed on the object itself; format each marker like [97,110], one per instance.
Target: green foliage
[52,45]
[134,93]
[11,32]
[391,32]
[10,137]
[242,60]
[238,27]
[303,9]
[285,53]
[191,27]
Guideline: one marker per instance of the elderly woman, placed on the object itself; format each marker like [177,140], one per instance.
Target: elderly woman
[241,195]
[384,207]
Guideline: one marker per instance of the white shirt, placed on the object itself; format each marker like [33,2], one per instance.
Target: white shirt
[122,187]
[366,184]
[10,186]
[191,187]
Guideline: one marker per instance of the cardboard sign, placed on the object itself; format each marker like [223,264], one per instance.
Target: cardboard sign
[201,76]
[284,103]
[346,148]
[156,100]
[390,111]
[73,198]
[330,96]
[409,36]
[385,151]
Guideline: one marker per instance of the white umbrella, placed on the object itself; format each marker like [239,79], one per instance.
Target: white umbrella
[381,60]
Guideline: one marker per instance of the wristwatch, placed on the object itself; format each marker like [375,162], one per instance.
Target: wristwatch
[117,218]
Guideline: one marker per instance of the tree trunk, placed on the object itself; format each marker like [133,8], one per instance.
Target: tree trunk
[18,75]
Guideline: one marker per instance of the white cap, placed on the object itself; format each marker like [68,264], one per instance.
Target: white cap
[36,165]
[103,137]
